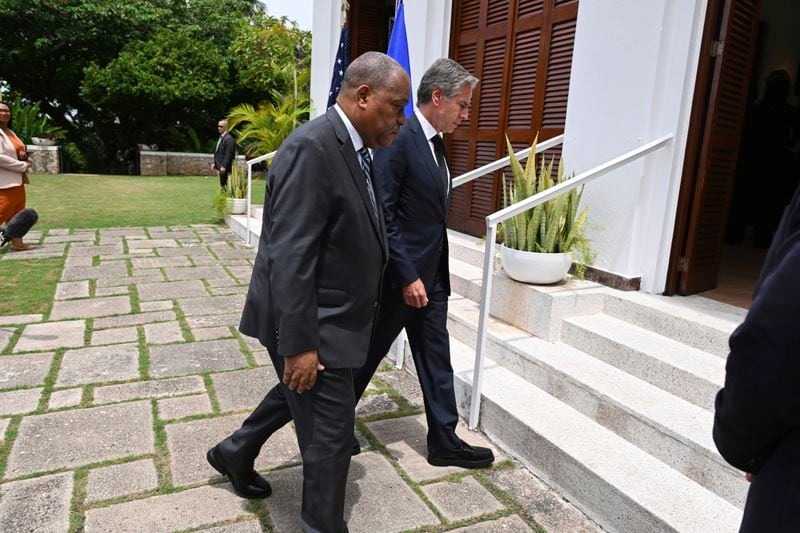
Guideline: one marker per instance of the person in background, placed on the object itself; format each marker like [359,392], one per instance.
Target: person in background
[14,167]
[224,153]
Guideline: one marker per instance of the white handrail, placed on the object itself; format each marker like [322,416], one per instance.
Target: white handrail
[496,218]
[250,164]
[500,163]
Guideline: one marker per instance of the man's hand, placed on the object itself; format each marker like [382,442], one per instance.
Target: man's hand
[222,169]
[414,294]
[300,371]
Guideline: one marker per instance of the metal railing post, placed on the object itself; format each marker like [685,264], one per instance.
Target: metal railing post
[400,349]
[249,197]
[483,323]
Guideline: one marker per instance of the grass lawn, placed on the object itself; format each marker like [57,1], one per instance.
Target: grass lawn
[28,286]
[93,201]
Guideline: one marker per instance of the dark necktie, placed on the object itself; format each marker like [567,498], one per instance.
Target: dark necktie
[366,169]
[438,149]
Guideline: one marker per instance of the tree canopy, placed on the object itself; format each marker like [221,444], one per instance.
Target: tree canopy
[121,72]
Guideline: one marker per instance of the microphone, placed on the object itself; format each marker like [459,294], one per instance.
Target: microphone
[19,225]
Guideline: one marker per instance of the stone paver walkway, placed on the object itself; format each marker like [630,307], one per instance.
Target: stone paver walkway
[109,401]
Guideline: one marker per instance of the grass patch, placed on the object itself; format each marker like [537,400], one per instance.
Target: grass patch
[97,201]
[5,449]
[28,285]
[161,458]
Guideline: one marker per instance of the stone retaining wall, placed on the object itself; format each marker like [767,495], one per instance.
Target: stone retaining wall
[180,164]
[45,159]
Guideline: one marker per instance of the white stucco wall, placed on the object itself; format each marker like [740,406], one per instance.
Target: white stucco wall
[633,76]
[632,81]
[427,26]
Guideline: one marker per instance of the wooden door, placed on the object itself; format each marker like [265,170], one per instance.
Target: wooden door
[718,118]
[522,52]
[369,25]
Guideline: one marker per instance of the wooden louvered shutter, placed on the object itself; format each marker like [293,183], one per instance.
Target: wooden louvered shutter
[720,146]
[369,26]
[522,52]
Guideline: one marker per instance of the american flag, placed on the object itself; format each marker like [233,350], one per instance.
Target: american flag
[340,65]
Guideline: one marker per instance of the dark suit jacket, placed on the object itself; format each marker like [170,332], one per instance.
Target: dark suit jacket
[758,411]
[322,252]
[223,156]
[415,206]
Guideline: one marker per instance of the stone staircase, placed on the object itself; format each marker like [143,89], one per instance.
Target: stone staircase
[605,395]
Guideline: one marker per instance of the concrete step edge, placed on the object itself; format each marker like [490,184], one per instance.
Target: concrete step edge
[673,430]
[613,481]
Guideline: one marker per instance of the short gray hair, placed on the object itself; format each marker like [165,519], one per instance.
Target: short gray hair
[371,68]
[448,76]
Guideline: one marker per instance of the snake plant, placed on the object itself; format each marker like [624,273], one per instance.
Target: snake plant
[552,227]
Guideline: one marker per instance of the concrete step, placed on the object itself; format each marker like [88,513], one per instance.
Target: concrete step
[693,320]
[620,486]
[467,248]
[671,429]
[682,370]
[537,309]
[238,224]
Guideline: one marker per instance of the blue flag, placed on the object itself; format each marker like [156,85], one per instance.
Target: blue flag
[398,49]
[340,65]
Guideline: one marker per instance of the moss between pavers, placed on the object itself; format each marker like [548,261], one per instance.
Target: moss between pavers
[161,458]
[212,393]
[76,508]
[144,354]
[248,353]
[181,318]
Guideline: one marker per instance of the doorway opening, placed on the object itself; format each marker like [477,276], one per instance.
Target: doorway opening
[743,154]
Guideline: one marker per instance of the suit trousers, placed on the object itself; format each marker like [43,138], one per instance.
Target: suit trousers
[324,418]
[430,347]
[223,179]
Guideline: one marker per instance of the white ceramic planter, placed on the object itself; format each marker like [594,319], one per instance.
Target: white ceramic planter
[534,267]
[237,206]
[41,141]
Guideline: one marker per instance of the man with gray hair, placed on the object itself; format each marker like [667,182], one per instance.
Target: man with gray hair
[314,291]
[415,184]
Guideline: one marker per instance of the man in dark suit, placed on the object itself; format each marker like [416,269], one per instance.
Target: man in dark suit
[224,153]
[315,286]
[415,184]
[757,419]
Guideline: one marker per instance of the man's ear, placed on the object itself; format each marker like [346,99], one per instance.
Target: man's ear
[436,95]
[363,93]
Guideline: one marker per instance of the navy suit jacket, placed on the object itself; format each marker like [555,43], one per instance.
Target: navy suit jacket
[757,419]
[322,252]
[415,209]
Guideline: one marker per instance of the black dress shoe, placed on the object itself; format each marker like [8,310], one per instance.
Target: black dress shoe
[466,457]
[248,485]
[356,449]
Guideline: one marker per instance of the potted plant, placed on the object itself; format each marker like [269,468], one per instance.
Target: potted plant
[236,191]
[538,245]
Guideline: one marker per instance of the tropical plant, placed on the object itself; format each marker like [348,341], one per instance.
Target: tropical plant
[237,184]
[220,203]
[261,130]
[29,122]
[552,227]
